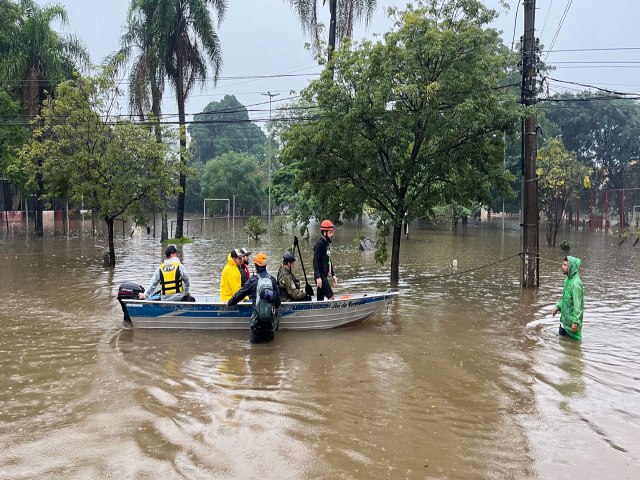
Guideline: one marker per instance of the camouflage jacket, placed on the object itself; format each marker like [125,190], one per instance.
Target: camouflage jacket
[289,286]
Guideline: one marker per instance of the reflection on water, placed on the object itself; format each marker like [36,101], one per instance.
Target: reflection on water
[464,377]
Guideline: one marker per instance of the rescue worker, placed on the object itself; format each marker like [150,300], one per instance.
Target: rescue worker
[172,277]
[290,290]
[263,290]
[230,279]
[322,266]
[571,305]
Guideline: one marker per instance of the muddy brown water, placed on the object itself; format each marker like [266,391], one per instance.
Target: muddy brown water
[464,377]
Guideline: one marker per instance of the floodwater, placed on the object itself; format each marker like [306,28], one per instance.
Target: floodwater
[464,377]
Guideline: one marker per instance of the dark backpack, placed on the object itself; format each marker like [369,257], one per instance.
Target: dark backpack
[263,312]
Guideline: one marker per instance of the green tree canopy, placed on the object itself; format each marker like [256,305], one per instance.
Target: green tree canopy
[602,131]
[13,132]
[561,176]
[37,57]
[223,127]
[234,174]
[82,152]
[408,123]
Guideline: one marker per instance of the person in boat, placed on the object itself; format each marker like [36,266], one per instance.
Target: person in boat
[231,279]
[290,290]
[172,277]
[244,266]
[264,292]
[571,305]
[322,266]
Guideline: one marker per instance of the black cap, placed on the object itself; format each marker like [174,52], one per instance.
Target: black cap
[171,249]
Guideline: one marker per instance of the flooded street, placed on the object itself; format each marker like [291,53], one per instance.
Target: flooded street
[464,377]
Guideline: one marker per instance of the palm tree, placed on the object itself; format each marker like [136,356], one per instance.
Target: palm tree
[38,59]
[190,42]
[175,39]
[139,45]
[342,16]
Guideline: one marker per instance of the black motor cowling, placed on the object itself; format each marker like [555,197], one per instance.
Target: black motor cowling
[128,291]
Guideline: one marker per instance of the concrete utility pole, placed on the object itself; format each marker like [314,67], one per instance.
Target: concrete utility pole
[529,240]
[271,95]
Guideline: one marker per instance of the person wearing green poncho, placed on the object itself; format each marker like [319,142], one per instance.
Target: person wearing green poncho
[571,306]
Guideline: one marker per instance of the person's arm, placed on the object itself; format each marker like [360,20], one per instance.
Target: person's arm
[243,292]
[290,287]
[578,307]
[185,279]
[277,300]
[318,252]
[155,281]
[317,255]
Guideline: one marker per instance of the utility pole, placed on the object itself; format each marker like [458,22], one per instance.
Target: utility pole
[271,95]
[529,239]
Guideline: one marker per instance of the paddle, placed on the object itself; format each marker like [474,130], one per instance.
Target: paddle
[308,287]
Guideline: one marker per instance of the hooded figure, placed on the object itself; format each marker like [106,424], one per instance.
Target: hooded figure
[231,280]
[571,306]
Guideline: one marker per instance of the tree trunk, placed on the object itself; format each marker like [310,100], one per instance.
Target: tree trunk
[183,159]
[332,30]
[112,248]
[156,109]
[39,228]
[164,230]
[395,255]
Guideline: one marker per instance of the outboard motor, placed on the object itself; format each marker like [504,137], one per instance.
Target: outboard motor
[128,291]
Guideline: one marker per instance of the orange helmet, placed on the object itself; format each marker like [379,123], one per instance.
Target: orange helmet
[260,259]
[326,226]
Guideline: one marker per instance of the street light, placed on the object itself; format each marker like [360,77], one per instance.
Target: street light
[271,95]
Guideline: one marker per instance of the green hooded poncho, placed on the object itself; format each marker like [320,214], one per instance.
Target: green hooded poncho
[571,305]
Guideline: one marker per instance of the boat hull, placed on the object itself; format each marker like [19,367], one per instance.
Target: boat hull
[206,314]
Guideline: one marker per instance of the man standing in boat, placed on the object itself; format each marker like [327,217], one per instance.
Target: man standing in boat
[322,266]
[263,290]
[172,277]
[289,285]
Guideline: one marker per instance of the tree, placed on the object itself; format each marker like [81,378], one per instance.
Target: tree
[561,177]
[13,134]
[140,46]
[342,16]
[222,127]
[409,123]
[37,59]
[289,190]
[602,131]
[114,167]
[188,40]
[9,16]
[233,174]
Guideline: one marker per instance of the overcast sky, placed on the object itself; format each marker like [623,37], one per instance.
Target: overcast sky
[263,37]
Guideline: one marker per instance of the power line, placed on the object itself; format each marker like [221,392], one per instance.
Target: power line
[18,82]
[546,17]
[515,22]
[562,19]
[591,86]
[604,49]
